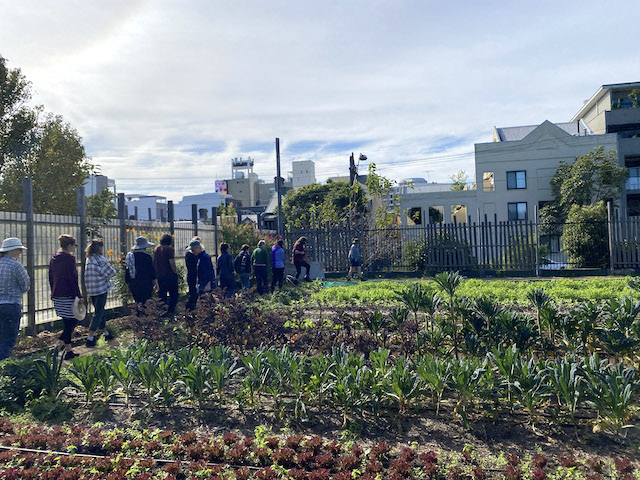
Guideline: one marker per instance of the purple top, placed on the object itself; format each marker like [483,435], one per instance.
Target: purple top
[63,276]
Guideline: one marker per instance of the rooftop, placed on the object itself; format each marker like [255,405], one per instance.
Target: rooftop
[600,93]
[514,134]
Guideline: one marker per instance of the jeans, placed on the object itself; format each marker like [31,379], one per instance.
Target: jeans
[169,286]
[10,314]
[278,277]
[99,320]
[299,266]
[261,278]
[69,325]
[246,280]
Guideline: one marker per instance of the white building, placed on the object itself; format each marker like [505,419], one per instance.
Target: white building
[205,202]
[94,184]
[303,172]
[146,207]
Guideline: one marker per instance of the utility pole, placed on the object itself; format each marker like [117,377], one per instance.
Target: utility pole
[352,170]
[278,187]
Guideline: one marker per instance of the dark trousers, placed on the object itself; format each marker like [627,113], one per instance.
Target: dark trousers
[168,291]
[99,320]
[278,277]
[69,325]
[141,293]
[299,266]
[262,281]
[10,314]
[193,296]
[229,284]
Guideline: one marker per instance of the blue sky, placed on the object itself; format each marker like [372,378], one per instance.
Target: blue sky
[165,93]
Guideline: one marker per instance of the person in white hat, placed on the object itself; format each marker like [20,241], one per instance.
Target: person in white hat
[14,282]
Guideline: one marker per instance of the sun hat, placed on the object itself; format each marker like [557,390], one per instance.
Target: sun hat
[195,244]
[11,243]
[142,243]
[78,309]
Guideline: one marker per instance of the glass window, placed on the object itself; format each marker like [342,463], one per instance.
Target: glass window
[436,214]
[415,216]
[488,184]
[517,179]
[517,211]
[459,213]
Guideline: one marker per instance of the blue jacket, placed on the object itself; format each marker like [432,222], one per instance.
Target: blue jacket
[277,256]
[225,266]
[205,271]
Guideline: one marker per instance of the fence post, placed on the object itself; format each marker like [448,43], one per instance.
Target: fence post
[82,215]
[27,202]
[170,218]
[122,214]
[194,218]
[537,234]
[610,231]
[214,223]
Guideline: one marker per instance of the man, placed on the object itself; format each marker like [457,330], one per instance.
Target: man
[226,270]
[277,262]
[191,262]
[260,260]
[242,265]
[206,276]
[14,282]
[355,260]
[165,264]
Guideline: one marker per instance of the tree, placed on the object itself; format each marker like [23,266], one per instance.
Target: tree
[17,119]
[385,207]
[57,164]
[585,236]
[634,96]
[316,204]
[459,180]
[592,178]
[100,209]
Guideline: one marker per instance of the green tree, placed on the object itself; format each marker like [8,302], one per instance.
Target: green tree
[386,207]
[585,235]
[459,180]
[634,96]
[57,164]
[100,209]
[17,119]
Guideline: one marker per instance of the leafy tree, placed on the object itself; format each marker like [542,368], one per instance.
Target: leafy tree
[100,209]
[585,235]
[317,204]
[459,180]
[385,207]
[592,178]
[634,96]
[17,119]
[57,164]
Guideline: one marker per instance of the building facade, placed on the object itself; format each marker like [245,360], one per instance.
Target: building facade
[146,207]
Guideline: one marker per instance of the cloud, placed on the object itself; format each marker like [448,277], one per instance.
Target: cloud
[165,93]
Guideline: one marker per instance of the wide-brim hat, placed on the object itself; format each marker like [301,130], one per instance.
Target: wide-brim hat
[78,309]
[11,243]
[142,243]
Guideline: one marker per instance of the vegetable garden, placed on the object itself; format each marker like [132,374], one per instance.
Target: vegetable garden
[549,360]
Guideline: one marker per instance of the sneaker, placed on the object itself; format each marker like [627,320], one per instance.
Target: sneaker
[91,343]
[70,355]
[108,336]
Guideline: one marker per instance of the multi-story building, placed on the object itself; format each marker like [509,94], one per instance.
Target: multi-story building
[146,207]
[615,109]
[204,201]
[94,184]
[303,172]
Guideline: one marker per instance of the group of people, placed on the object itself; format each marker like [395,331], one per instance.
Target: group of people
[144,273]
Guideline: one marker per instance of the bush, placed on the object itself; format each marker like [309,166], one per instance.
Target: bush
[585,236]
[237,235]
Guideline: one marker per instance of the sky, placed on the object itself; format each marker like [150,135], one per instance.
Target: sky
[165,93]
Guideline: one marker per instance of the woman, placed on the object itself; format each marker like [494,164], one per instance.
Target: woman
[299,258]
[355,260]
[140,274]
[277,264]
[242,265]
[14,281]
[97,275]
[206,276]
[191,262]
[164,260]
[63,279]
[226,270]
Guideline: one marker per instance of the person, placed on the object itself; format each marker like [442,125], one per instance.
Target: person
[299,258]
[242,265]
[140,274]
[355,260]
[260,260]
[205,275]
[226,270]
[164,262]
[97,279]
[14,281]
[277,262]
[191,262]
[63,279]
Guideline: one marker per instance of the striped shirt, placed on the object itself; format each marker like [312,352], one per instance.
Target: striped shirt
[97,275]
[14,280]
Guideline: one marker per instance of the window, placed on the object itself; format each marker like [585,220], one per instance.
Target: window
[517,211]
[415,215]
[516,179]
[487,182]
[459,213]
[436,214]
[633,205]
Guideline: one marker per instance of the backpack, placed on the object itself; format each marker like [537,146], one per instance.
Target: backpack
[245,262]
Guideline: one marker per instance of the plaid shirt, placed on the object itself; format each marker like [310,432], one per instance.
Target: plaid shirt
[14,280]
[97,273]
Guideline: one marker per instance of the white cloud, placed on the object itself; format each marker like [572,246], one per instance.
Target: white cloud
[165,91]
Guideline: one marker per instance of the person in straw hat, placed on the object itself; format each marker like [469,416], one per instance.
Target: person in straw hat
[63,279]
[14,282]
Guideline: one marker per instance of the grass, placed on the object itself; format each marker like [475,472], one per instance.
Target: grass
[505,291]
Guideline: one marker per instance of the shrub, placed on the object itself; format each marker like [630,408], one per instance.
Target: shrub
[585,236]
